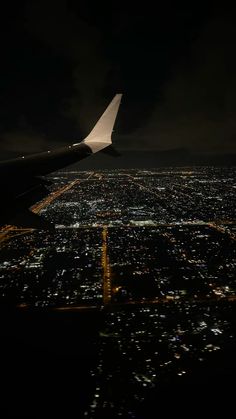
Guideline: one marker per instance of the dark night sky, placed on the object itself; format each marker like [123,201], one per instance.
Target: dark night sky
[62,62]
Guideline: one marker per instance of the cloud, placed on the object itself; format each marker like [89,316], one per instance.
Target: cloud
[25,140]
[16,142]
[81,43]
[198,109]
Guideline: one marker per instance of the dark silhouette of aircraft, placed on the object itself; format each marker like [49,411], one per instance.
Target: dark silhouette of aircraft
[22,182]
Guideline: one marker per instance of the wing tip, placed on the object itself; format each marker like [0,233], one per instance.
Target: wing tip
[118,96]
[100,136]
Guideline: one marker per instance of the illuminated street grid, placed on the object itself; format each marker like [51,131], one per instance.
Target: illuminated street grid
[155,249]
[125,237]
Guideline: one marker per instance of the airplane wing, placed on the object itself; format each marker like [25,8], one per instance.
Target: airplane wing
[20,182]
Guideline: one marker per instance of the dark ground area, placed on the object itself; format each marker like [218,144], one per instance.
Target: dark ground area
[45,363]
[46,359]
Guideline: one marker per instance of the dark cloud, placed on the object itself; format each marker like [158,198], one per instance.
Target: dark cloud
[198,108]
[24,140]
[55,77]
[56,25]
[63,61]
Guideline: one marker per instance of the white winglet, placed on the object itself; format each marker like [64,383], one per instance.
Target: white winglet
[100,136]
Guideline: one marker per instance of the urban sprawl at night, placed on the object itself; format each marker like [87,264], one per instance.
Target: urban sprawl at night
[152,253]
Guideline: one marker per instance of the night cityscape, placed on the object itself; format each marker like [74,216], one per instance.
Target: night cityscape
[118,209]
[149,254]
